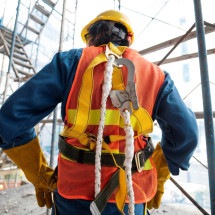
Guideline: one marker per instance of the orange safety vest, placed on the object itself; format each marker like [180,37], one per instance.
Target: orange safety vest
[76,180]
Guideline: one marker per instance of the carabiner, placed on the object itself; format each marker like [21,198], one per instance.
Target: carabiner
[122,98]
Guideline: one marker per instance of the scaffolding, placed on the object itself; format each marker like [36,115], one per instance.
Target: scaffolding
[13,42]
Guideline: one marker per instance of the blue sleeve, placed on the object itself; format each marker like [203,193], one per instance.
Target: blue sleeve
[37,98]
[178,125]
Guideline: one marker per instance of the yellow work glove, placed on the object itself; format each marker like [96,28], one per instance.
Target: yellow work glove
[163,174]
[30,159]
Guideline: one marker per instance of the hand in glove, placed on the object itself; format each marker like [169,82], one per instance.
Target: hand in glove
[163,174]
[30,159]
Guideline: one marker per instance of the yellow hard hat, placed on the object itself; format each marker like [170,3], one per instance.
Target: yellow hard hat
[111,15]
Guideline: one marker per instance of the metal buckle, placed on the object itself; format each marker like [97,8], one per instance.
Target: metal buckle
[91,143]
[110,52]
[139,164]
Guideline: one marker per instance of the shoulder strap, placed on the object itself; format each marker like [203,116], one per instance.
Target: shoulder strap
[82,114]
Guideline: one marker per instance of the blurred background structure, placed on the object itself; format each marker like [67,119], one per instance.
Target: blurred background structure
[175,34]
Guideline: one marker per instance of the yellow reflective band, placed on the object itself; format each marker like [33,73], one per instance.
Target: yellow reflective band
[140,119]
[112,117]
[148,165]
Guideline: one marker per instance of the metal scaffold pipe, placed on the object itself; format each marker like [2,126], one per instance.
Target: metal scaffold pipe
[11,50]
[54,125]
[208,114]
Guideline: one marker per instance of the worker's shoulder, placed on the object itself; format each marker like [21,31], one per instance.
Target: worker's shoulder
[71,53]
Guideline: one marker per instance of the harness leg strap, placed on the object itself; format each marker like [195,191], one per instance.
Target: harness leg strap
[98,205]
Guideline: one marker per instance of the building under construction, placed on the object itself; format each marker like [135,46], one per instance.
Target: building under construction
[176,35]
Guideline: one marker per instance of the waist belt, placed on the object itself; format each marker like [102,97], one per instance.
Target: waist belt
[88,157]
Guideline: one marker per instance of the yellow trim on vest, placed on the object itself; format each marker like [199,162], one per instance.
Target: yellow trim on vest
[112,117]
[148,165]
[140,120]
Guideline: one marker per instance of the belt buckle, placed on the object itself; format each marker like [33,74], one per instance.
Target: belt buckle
[139,160]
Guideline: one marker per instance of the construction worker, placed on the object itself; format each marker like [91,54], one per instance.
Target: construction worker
[110,95]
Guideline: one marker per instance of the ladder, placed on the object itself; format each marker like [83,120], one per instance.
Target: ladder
[21,63]
[37,18]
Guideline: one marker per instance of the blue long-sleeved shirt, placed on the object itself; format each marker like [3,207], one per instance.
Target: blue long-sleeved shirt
[39,96]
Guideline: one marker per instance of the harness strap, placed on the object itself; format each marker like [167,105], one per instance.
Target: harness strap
[98,205]
[83,112]
[140,161]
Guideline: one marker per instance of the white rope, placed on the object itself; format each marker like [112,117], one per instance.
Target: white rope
[105,93]
[129,153]
[129,148]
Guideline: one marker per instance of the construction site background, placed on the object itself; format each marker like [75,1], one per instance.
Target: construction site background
[166,36]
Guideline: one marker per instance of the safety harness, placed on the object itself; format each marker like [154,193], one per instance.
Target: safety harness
[126,101]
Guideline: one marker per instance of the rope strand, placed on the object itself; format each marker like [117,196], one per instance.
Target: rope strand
[105,93]
[129,153]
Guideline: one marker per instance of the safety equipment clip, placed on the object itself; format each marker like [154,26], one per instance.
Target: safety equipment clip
[121,98]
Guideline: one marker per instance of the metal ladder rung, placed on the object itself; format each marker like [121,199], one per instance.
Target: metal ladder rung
[2,49]
[10,37]
[23,64]
[8,32]
[22,79]
[24,73]
[50,3]
[17,44]
[39,21]
[19,51]
[42,10]
[20,57]
[33,30]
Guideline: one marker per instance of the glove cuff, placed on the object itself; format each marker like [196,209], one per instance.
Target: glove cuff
[28,157]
